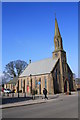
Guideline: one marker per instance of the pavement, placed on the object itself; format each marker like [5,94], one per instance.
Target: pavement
[38,100]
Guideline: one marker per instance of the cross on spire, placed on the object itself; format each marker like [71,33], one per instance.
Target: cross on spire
[55,15]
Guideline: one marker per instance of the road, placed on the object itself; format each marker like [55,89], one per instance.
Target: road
[62,107]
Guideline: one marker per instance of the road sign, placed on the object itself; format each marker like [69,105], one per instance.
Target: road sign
[39,83]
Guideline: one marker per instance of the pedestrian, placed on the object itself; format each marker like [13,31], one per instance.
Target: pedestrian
[45,93]
[33,94]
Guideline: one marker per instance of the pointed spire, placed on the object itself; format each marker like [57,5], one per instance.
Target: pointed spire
[57,32]
[57,37]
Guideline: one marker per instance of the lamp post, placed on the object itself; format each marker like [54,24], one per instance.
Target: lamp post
[18,88]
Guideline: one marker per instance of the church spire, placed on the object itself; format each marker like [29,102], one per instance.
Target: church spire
[57,37]
[57,32]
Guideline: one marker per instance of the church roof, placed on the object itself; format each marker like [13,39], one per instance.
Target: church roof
[40,67]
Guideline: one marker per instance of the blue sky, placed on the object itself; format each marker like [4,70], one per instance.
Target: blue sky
[28,31]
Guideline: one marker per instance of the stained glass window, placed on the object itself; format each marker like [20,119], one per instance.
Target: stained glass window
[45,82]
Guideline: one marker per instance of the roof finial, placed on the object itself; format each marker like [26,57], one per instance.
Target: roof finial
[57,32]
[55,15]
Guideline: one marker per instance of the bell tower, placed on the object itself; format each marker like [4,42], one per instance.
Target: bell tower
[58,42]
[60,54]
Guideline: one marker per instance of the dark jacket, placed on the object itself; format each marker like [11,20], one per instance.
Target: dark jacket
[45,92]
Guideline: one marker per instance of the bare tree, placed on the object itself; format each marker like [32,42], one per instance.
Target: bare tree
[15,68]
[5,77]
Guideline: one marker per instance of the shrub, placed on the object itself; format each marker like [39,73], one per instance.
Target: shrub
[20,91]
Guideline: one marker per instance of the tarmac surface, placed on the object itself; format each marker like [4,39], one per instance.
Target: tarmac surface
[63,106]
[8,102]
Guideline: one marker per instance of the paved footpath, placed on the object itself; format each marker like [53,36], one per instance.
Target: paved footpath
[36,101]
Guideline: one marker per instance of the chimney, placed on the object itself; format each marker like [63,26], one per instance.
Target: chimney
[29,61]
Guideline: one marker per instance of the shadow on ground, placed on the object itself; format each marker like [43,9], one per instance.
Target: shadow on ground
[20,99]
[13,100]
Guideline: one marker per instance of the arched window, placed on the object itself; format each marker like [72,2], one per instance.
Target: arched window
[27,81]
[56,74]
[58,42]
[45,82]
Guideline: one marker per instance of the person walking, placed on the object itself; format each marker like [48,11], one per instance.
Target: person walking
[45,93]
[33,94]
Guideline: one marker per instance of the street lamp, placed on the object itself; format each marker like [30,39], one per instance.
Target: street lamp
[18,88]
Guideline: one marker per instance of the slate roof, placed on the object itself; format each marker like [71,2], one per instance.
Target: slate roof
[40,67]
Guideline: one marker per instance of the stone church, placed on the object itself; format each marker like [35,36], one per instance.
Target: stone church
[53,73]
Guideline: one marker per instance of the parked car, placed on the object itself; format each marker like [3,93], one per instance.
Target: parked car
[7,90]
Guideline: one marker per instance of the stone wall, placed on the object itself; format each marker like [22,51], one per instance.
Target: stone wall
[42,78]
[56,78]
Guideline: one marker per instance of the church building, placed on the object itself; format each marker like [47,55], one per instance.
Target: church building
[53,73]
